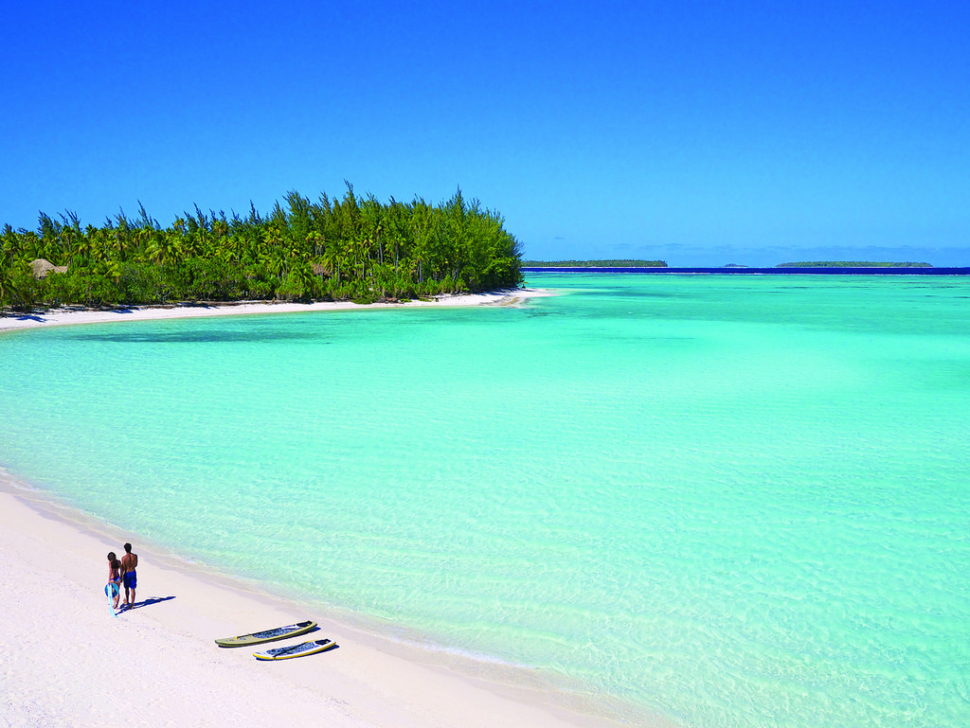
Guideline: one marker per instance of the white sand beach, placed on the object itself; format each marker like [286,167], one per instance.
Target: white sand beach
[70,316]
[65,660]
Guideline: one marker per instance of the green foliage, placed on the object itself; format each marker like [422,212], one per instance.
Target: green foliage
[348,249]
[850,264]
[595,264]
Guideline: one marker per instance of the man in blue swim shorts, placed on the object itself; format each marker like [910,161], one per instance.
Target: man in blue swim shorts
[129,562]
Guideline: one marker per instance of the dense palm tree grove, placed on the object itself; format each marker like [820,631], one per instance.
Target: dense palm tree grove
[348,249]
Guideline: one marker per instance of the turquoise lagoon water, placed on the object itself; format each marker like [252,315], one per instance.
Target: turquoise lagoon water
[738,501]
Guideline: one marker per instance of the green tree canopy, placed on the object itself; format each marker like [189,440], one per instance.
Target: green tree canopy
[353,248]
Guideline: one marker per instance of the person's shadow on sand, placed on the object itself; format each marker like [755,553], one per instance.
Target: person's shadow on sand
[147,603]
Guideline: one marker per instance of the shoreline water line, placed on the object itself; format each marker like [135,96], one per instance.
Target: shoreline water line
[706,495]
[48,530]
[524,688]
[15,321]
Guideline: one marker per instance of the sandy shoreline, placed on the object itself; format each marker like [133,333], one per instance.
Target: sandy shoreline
[71,316]
[67,661]
[64,660]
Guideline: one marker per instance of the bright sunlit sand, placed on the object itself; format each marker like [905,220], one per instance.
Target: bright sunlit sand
[70,316]
[727,500]
[67,661]
[716,474]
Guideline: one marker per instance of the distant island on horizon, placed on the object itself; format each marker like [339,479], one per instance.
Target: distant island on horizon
[662,264]
[595,263]
[850,264]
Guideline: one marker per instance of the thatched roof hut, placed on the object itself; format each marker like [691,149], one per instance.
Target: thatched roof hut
[43,268]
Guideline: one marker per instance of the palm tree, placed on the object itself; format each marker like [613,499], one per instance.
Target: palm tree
[7,287]
[452,245]
[166,248]
[332,259]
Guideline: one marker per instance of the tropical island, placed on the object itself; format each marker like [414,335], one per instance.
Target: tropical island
[850,264]
[595,264]
[348,249]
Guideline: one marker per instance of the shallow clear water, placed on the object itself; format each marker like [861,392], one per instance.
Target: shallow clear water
[740,501]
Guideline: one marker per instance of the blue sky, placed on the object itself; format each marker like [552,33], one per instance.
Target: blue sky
[698,133]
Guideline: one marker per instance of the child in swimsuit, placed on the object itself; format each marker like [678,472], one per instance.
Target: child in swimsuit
[113,587]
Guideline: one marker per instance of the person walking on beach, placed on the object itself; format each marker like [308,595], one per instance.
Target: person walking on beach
[129,562]
[113,587]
